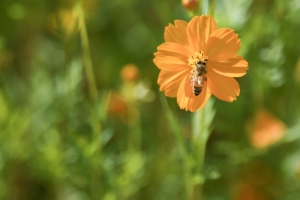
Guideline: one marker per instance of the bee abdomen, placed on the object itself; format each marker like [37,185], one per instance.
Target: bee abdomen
[197,90]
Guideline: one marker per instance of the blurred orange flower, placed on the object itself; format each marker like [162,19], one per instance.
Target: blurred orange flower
[118,106]
[197,60]
[246,191]
[267,130]
[255,182]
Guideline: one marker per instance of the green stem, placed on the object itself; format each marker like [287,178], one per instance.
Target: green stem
[201,133]
[212,8]
[88,67]
[86,54]
[134,124]
[199,148]
[89,72]
[181,145]
[201,121]
[200,7]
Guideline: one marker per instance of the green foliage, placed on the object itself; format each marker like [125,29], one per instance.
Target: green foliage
[61,137]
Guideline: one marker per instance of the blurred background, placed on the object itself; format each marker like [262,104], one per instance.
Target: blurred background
[80,110]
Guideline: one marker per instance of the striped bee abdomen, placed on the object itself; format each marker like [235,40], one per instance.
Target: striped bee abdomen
[197,90]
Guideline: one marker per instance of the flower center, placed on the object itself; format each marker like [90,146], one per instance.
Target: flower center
[196,59]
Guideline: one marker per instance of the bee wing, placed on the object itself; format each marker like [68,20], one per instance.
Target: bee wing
[200,80]
[190,81]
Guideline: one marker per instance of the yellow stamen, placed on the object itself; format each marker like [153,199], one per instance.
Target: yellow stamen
[195,58]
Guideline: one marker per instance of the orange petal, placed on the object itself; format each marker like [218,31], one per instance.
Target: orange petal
[224,88]
[177,33]
[187,100]
[198,31]
[222,45]
[170,63]
[182,25]
[233,67]
[175,49]
[169,81]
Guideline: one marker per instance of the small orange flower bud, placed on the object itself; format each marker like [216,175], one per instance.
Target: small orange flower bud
[190,4]
[129,72]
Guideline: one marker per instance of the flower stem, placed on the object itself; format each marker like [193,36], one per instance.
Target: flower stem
[93,94]
[197,123]
[200,7]
[181,145]
[86,54]
[212,8]
[201,121]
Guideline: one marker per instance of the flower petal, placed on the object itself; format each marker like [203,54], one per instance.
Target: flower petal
[177,33]
[170,63]
[224,88]
[198,31]
[175,49]
[186,98]
[233,67]
[222,44]
[182,25]
[169,81]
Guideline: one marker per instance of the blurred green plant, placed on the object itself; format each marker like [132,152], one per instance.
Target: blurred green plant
[56,142]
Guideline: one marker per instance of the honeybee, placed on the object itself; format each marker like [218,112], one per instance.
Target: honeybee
[198,77]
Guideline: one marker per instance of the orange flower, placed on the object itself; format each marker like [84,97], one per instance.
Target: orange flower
[198,60]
